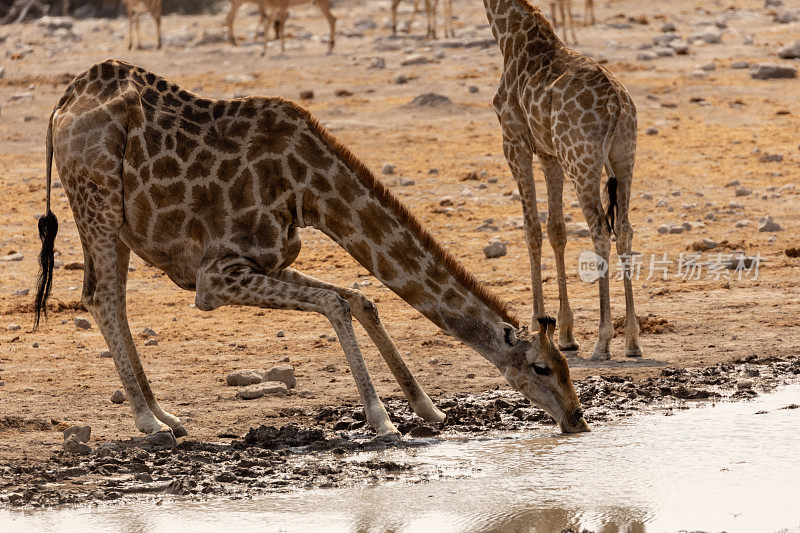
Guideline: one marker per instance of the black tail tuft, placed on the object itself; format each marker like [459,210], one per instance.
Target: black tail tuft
[611,212]
[48,228]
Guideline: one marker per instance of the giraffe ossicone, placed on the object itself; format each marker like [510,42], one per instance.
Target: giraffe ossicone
[212,193]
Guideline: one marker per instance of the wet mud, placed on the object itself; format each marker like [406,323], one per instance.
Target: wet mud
[324,452]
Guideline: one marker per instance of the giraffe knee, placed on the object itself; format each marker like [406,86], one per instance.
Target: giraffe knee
[363,308]
[336,308]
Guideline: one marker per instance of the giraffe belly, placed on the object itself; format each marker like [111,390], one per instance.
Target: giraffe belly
[179,261]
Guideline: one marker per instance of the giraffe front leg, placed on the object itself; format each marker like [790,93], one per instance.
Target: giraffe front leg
[601,237]
[520,161]
[366,313]
[557,234]
[228,283]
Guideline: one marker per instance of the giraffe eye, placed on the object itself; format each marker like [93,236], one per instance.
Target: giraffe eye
[541,370]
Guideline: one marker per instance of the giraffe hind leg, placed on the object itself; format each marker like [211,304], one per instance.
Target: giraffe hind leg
[123,259]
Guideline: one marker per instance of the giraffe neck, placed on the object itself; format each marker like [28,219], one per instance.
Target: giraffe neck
[370,223]
[516,25]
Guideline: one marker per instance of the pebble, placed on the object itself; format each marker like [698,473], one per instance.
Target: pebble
[415,59]
[13,327]
[790,51]
[663,228]
[662,203]
[743,223]
[578,229]
[105,354]
[766,224]
[733,204]
[377,62]
[738,65]
[770,158]
[744,384]
[251,392]
[676,229]
[16,256]
[422,432]
[495,249]
[733,183]
[73,445]
[709,36]
[82,433]
[646,56]
[407,182]
[82,323]
[283,374]
[704,245]
[680,47]
[387,168]
[147,332]
[280,334]
[244,377]
[741,190]
[668,27]
[306,94]
[400,79]
[647,196]
[238,78]
[769,71]
[708,67]
[21,292]
[473,89]
[151,342]
[118,397]
[651,131]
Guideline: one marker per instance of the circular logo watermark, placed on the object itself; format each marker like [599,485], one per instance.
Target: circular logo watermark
[591,266]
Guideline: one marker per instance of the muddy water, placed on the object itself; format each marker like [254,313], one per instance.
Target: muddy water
[729,466]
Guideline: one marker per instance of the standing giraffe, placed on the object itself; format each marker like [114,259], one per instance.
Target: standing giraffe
[213,192]
[562,107]
[565,8]
[430,12]
[137,8]
[277,11]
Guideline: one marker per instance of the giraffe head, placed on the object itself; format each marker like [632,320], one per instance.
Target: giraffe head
[537,369]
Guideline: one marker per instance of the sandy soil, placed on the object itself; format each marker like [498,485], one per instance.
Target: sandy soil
[710,131]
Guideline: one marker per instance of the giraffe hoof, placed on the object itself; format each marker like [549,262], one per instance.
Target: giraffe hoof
[633,352]
[571,346]
[389,438]
[601,356]
[161,438]
[180,431]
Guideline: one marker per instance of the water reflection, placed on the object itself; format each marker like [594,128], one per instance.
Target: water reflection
[732,467]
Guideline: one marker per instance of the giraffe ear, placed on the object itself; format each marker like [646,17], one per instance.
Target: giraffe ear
[509,334]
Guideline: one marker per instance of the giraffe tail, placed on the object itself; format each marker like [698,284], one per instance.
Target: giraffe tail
[613,206]
[48,228]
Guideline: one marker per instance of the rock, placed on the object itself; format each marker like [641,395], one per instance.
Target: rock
[400,79]
[704,245]
[377,63]
[82,323]
[407,182]
[773,3]
[733,204]
[662,229]
[343,92]
[734,183]
[242,378]
[416,59]
[651,131]
[743,223]
[55,23]
[790,51]
[578,229]
[744,384]
[770,158]
[698,74]
[495,249]
[280,334]
[21,292]
[147,332]
[423,432]
[740,64]
[709,36]
[15,256]
[676,229]
[118,397]
[662,203]
[770,71]
[766,224]
[238,78]
[307,94]
[470,375]
[283,374]
[13,327]
[430,100]
[785,17]
[82,433]
[73,445]
[105,354]
[387,168]
[708,67]
[75,265]
[646,56]
[151,342]
[668,27]
[472,89]
[272,388]
[665,52]
[741,190]
[680,47]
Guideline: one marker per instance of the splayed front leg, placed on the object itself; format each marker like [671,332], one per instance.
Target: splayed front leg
[231,282]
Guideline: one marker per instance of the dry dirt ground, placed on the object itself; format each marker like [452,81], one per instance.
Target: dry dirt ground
[711,130]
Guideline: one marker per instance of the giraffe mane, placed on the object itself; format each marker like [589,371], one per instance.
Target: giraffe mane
[409,220]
